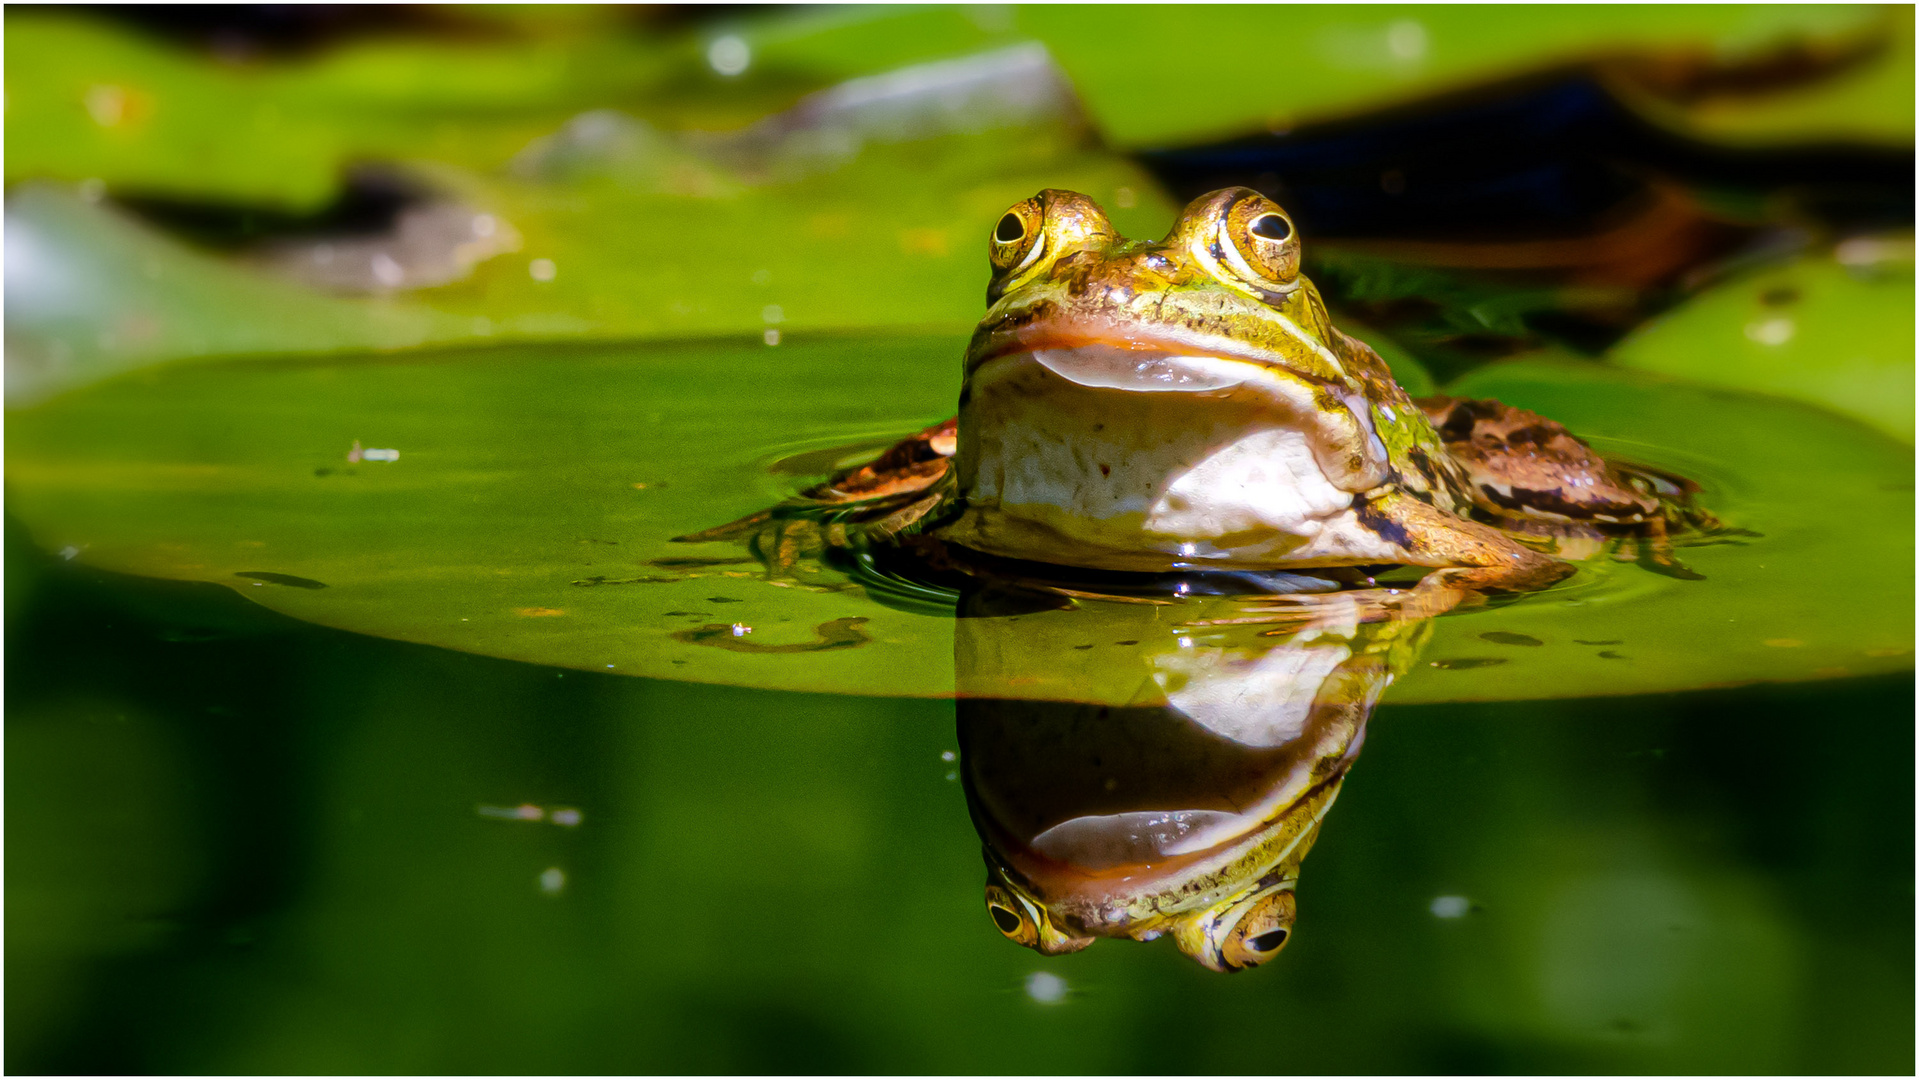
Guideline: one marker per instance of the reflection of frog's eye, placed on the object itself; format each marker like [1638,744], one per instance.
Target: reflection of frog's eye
[1018,239]
[1263,246]
[1261,932]
[1268,941]
[1011,916]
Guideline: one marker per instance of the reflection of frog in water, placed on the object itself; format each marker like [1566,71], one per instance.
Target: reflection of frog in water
[1145,770]
[1188,405]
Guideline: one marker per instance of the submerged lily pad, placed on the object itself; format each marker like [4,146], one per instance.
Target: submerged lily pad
[1834,330]
[518,502]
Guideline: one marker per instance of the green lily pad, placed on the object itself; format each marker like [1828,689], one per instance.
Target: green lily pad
[1822,592]
[528,510]
[1821,330]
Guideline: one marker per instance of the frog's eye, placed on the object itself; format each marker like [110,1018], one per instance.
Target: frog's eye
[1272,227]
[1261,932]
[1263,246]
[1011,916]
[1018,239]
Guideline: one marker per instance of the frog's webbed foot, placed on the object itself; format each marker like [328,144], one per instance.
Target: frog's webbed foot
[877,500]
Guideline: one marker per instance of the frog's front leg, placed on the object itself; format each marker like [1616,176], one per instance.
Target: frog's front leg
[1466,555]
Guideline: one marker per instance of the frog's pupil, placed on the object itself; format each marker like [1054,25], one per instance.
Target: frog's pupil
[1010,229]
[1004,919]
[1272,227]
[1268,941]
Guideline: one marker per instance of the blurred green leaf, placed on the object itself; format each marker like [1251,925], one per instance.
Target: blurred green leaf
[1820,330]
[86,100]
[1154,75]
[1870,100]
[893,238]
[91,294]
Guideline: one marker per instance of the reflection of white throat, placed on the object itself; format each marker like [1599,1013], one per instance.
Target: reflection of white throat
[1263,703]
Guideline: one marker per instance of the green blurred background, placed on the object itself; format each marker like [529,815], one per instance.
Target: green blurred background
[239,842]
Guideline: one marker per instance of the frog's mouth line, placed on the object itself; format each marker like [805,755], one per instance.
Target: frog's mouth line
[1177,362]
[1112,368]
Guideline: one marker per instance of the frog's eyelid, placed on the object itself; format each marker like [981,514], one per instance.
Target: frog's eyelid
[1032,256]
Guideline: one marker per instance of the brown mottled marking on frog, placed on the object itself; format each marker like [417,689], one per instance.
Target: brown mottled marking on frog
[1518,462]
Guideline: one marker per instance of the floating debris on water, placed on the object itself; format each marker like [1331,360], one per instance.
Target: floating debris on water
[552,881]
[357,454]
[564,816]
[1501,637]
[268,577]
[1450,907]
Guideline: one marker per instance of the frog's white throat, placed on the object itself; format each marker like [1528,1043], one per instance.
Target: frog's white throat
[1128,459]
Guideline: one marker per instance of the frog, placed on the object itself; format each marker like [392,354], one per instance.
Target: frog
[1187,405]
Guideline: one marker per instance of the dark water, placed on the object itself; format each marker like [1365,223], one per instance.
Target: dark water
[237,842]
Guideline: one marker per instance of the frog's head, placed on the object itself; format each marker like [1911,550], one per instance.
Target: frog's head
[1240,931]
[1131,404]
[1224,283]
[1208,908]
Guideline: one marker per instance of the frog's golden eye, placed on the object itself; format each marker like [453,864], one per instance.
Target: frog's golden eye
[1272,227]
[1018,240]
[1263,246]
[1011,916]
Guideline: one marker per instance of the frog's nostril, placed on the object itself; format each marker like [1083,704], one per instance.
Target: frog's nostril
[1010,229]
